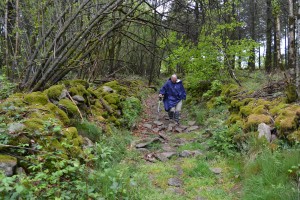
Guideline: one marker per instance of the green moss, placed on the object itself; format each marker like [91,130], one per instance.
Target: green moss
[234,118]
[246,110]
[287,119]
[119,88]
[254,119]
[294,137]
[291,93]
[260,110]
[7,159]
[112,98]
[36,98]
[230,90]
[21,139]
[54,92]
[277,108]
[34,124]
[76,82]
[63,117]
[69,107]
[70,133]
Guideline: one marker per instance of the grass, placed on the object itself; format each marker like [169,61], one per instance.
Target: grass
[268,176]
[89,129]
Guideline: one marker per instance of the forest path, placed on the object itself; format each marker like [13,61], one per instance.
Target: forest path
[175,156]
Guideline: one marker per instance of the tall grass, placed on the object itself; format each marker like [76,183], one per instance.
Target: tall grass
[269,178]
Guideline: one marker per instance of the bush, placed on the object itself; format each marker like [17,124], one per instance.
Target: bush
[131,109]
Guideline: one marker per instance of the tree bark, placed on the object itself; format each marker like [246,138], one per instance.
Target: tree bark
[291,36]
[268,61]
[278,45]
[298,51]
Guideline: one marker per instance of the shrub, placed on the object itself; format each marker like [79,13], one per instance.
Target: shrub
[131,109]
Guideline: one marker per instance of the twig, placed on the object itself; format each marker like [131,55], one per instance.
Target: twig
[75,105]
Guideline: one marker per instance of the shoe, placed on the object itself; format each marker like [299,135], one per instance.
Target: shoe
[177,117]
[171,115]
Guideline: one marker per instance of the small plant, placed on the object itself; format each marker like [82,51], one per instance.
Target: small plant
[6,87]
[131,109]
[222,141]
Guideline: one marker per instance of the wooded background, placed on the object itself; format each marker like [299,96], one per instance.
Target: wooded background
[44,41]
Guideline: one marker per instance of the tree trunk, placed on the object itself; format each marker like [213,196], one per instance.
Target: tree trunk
[298,51]
[291,36]
[278,45]
[251,62]
[268,61]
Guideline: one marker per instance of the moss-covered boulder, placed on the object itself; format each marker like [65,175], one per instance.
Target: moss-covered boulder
[70,133]
[7,164]
[117,87]
[34,124]
[254,119]
[287,119]
[54,92]
[291,93]
[76,82]
[294,136]
[69,107]
[36,98]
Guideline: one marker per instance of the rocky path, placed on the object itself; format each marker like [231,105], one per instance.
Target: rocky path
[162,142]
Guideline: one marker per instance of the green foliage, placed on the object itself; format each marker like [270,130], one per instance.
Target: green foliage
[200,170]
[205,60]
[270,176]
[215,90]
[6,87]
[131,109]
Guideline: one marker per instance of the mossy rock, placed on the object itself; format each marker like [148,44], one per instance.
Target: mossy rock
[112,98]
[255,119]
[234,118]
[276,109]
[76,82]
[60,114]
[79,90]
[69,107]
[260,110]
[294,136]
[119,88]
[7,158]
[70,133]
[54,92]
[33,124]
[287,119]
[36,98]
[291,93]
[230,90]
[246,110]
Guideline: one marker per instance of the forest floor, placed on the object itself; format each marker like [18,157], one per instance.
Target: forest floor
[177,161]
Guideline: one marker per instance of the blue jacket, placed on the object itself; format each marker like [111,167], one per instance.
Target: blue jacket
[173,93]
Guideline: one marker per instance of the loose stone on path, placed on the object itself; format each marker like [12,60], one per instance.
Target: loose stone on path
[165,156]
[192,128]
[191,123]
[175,182]
[216,170]
[149,126]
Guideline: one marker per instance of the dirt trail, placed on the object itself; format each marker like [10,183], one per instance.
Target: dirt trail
[174,157]
[160,141]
